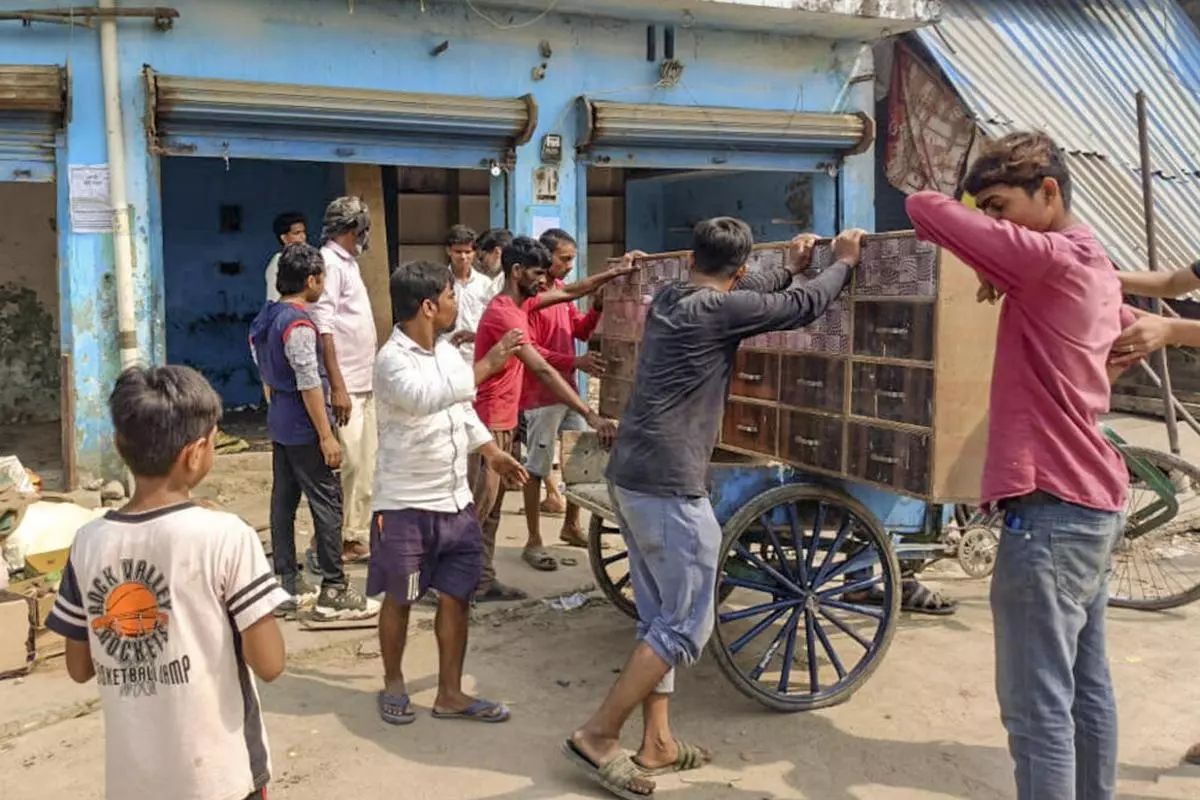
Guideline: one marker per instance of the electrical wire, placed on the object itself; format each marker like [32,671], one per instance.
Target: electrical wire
[500,26]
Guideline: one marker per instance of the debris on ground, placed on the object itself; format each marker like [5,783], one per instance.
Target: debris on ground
[568,602]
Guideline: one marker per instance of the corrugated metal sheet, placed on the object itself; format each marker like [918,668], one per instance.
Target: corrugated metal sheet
[1072,68]
[33,105]
[659,125]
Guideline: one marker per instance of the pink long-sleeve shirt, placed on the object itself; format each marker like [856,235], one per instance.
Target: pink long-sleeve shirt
[1061,312]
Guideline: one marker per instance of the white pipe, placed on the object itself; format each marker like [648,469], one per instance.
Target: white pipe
[122,236]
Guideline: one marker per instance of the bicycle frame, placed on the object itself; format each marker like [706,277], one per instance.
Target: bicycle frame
[1163,508]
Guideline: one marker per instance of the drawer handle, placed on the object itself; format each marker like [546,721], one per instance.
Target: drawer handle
[892,331]
[748,429]
[748,378]
[883,459]
[892,395]
[806,442]
[810,383]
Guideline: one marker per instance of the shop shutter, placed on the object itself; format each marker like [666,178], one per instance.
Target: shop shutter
[33,105]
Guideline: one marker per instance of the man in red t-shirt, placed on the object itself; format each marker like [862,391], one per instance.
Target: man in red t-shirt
[497,400]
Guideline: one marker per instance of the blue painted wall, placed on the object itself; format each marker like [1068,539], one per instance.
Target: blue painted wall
[207,309]
[383,45]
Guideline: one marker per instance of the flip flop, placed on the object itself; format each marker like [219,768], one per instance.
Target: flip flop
[915,598]
[615,777]
[479,711]
[388,703]
[690,757]
[499,593]
[539,559]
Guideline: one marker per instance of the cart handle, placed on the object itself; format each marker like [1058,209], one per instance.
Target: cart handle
[884,459]
[810,383]
[892,395]
[749,429]
[806,442]
[749,378]
[892,331]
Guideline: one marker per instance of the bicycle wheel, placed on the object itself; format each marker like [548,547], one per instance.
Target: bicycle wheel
[1156,564]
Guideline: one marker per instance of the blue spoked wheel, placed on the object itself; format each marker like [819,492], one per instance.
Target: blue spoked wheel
[789,632]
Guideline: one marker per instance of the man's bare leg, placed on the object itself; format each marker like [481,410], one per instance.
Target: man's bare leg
[600,737]
[658,745]
[393,636]
[555,503]
[450,629]
[572,533]
[533,514]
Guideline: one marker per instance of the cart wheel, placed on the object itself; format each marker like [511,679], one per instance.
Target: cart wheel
[786,634]
[1156,563]
[977,551]
[610,564]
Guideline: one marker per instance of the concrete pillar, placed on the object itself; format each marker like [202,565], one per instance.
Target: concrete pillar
[857,175]
[366,182]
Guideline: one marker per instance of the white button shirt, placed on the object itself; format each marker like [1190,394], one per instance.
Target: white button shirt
[427,426]
[344,311]
[473,295]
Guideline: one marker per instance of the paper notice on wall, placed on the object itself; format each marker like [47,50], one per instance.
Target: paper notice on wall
[91,210]
[543,224]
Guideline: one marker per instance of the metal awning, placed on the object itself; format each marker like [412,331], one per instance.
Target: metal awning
[714,129]
[33,109]
[186,114]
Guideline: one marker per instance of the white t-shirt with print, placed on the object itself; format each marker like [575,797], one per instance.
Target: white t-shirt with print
[162,599]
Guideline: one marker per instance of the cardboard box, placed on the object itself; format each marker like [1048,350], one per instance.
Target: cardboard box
[424,180]
[423,218]
[423,252]
[474,181]
[475,212]
[47,563]
[606,220]
[598,256]
[15,633]
[606,182]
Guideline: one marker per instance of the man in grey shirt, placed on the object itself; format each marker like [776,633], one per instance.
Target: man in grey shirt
[657,477]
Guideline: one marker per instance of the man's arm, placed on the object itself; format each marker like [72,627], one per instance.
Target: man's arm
[584,325]
[300,349]
[496,358]
[1007,256]
[251,594]
[69,620]
[401,383]
[574,291]
[323,313]
[1161,284]
[1144,333]
[799,257]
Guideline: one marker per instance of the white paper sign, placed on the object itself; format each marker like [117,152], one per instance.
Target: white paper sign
[543,224]
[91,210]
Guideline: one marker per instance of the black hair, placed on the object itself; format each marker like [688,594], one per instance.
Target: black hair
[460,235]
[297,263]
[721,246]
[552,238]
[284,222]
[492,238]
[158,411]
[524,251]
[1022,159]
[413,283]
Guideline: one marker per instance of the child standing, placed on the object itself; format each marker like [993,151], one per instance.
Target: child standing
[290,358]
[169,606]
[1060,484]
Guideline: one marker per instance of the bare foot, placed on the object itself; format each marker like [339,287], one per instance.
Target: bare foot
[572,536]
[602,751]
[671,756]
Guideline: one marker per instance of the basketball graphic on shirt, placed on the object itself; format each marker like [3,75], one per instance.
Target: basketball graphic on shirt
[131,611]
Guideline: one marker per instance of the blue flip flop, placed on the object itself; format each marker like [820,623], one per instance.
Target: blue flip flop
[389,702]
[479,711]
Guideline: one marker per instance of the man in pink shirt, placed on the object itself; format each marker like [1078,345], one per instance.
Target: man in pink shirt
[1061,486]
[553,333]
[343,318]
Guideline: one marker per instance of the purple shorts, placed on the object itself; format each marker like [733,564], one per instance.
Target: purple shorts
[413,550]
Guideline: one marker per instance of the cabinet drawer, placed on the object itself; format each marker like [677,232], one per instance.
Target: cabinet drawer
[810,440]
[755,374]
[614,395]
[889,457]
[894,330]
[750,427]
[892,393]
[624,318]
[812,382]
[828,335]
[897,267]
[620,359]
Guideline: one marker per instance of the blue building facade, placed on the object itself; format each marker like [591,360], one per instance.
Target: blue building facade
[239,110]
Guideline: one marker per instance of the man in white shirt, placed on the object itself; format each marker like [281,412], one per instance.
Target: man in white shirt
[472,289]
[289,228]
[425,533]
[343,318]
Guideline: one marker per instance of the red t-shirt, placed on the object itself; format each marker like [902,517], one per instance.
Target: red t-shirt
[498,399]
[554,331]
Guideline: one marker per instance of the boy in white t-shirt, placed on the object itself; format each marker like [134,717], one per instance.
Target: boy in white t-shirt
[169,606]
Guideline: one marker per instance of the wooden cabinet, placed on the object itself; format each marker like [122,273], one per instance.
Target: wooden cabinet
[889,387]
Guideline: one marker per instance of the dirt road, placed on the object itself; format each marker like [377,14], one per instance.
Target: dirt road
[924,727]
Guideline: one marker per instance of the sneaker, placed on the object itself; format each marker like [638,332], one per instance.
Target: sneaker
[344,603]
[302,595]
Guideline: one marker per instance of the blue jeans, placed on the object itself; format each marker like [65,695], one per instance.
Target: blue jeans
[1048,597]
[673,544]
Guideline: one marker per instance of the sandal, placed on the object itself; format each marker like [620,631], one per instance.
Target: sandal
[1192,756]
[499,593]
[479,711]
[915,597]
[539,559]
[572,537]
[690,757]
[395,710]
[618,777]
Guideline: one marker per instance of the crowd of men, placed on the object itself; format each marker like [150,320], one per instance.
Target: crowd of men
[423,431]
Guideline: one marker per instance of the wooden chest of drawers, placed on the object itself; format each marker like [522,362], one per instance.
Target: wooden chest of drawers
[889,388]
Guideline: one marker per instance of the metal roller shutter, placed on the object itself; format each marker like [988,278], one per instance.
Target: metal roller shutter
[33,107]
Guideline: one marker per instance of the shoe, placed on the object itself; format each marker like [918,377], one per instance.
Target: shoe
[301,595]
[344,603]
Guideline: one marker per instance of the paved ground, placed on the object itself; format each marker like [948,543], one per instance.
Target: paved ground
[925,726]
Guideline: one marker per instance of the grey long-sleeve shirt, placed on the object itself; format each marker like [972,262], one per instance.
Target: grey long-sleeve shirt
[670,425]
